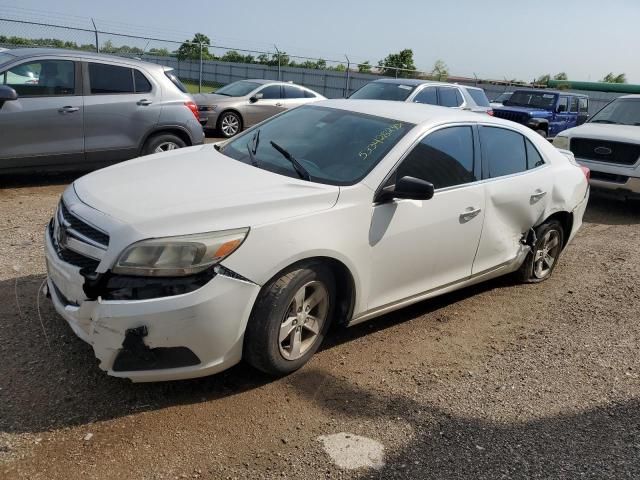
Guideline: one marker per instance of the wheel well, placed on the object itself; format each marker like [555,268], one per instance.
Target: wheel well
[184,136]
[566,220]
[345,285]
[234,111]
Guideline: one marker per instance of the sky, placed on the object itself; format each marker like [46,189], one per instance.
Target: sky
[491,38]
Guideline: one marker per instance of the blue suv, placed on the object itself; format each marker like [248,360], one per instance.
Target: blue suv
[547,112]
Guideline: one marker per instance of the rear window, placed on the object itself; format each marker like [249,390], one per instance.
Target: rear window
[175,80]
[384,91]
[479,97]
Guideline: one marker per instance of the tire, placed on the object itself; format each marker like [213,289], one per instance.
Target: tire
[280,338]
[535,268]
[542,133]
[162,142]
[229,124]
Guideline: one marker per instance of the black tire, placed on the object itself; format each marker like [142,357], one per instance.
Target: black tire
[159,139]
[528,272]
[542,133]
[232,117]
[262,346]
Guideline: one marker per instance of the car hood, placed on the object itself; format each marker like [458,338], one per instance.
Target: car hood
[197,189]
[603,131]
[531,111]
[212,99]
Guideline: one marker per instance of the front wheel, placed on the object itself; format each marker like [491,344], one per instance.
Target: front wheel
[290,319]
[229,124]
[545,253]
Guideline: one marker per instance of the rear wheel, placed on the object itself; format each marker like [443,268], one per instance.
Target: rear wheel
[290,319]
[545,253]
[162,142]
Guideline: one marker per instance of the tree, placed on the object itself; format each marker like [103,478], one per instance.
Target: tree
[560,76]
[364,67]
[440,70]
[340,68]
[397,64]
[160,52]
[190,50]
[543,79]
[237,57]
[611,78]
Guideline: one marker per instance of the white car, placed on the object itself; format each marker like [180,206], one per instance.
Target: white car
[181,264]
[609,145]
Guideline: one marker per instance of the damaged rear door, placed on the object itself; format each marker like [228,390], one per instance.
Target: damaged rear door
[518,191]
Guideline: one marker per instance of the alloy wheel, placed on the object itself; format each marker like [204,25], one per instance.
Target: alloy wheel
[230,125]
[165,147]
[304,320]
[546,254]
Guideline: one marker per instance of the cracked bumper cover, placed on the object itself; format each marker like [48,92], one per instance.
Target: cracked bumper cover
[209,321]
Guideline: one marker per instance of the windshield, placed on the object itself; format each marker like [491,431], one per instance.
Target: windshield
[623,111]
[542,100]
[502,97]
[479,97]
[337,147]
[6,57]
[384,91]
[238,89]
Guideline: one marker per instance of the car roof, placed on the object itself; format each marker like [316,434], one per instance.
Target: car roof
[557,92]
[61,52]
[414,81]
[416,113]
[636,96]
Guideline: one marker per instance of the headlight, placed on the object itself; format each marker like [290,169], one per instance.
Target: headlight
[207,108]
[561,142]
[179,256]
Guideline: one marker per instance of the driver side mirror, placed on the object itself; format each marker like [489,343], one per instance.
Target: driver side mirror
[561,108]
[256,97]
[7,94]
[409,188]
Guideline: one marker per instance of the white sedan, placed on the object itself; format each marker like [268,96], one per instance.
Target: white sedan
[180,264]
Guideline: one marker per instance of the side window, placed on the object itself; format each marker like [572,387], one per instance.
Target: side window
[444,158]
[449,97]
[291,91]
[573,107]
[141,83]
[44,78]
[583,105]
[534,159]
[427,95]
[105,79]
[309,94]
[271,92]
[563,105]
[503,150]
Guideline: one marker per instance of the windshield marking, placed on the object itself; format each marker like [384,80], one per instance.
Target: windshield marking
[379,140]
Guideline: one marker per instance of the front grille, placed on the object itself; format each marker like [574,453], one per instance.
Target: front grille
[605,151]
[609,177]
[513,116]
[83,228]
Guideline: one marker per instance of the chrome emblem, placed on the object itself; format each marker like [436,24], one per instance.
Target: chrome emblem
[603,150]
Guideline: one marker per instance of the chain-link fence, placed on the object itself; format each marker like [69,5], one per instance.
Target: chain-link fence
[203,67]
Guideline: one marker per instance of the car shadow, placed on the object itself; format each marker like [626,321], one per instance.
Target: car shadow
[607,210]
[39,179]
[50,379]
[598,443]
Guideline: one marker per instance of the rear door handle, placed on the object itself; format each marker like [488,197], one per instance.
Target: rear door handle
[537,195]
[144,102]
[68,109]
[469,214]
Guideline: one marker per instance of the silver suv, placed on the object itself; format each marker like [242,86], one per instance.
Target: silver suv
[62,109]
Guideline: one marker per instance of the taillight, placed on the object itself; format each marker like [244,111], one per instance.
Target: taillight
[194,109]
[586,171]
[490,112]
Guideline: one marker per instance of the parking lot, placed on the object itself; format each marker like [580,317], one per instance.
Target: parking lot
[500,380]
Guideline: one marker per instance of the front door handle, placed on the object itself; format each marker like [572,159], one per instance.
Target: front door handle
[144,102]
[68,109]
[537,195]
[278,104]
[469,214]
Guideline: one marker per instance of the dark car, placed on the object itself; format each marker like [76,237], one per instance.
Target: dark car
[547,112]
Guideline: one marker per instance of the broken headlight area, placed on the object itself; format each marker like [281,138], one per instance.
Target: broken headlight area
[110,286]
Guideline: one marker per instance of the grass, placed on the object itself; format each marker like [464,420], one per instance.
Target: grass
[192,86]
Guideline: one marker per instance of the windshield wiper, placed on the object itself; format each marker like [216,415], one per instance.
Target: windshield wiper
[219,93]
[297,166]
[255,140]
[604,121]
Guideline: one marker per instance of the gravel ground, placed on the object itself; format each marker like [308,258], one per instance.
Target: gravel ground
[496,381]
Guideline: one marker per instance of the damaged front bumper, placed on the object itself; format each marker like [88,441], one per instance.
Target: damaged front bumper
[168,338]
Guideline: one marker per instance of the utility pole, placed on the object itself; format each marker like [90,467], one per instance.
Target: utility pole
[278,53]
[95,30]
[200,74]
[346,85]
